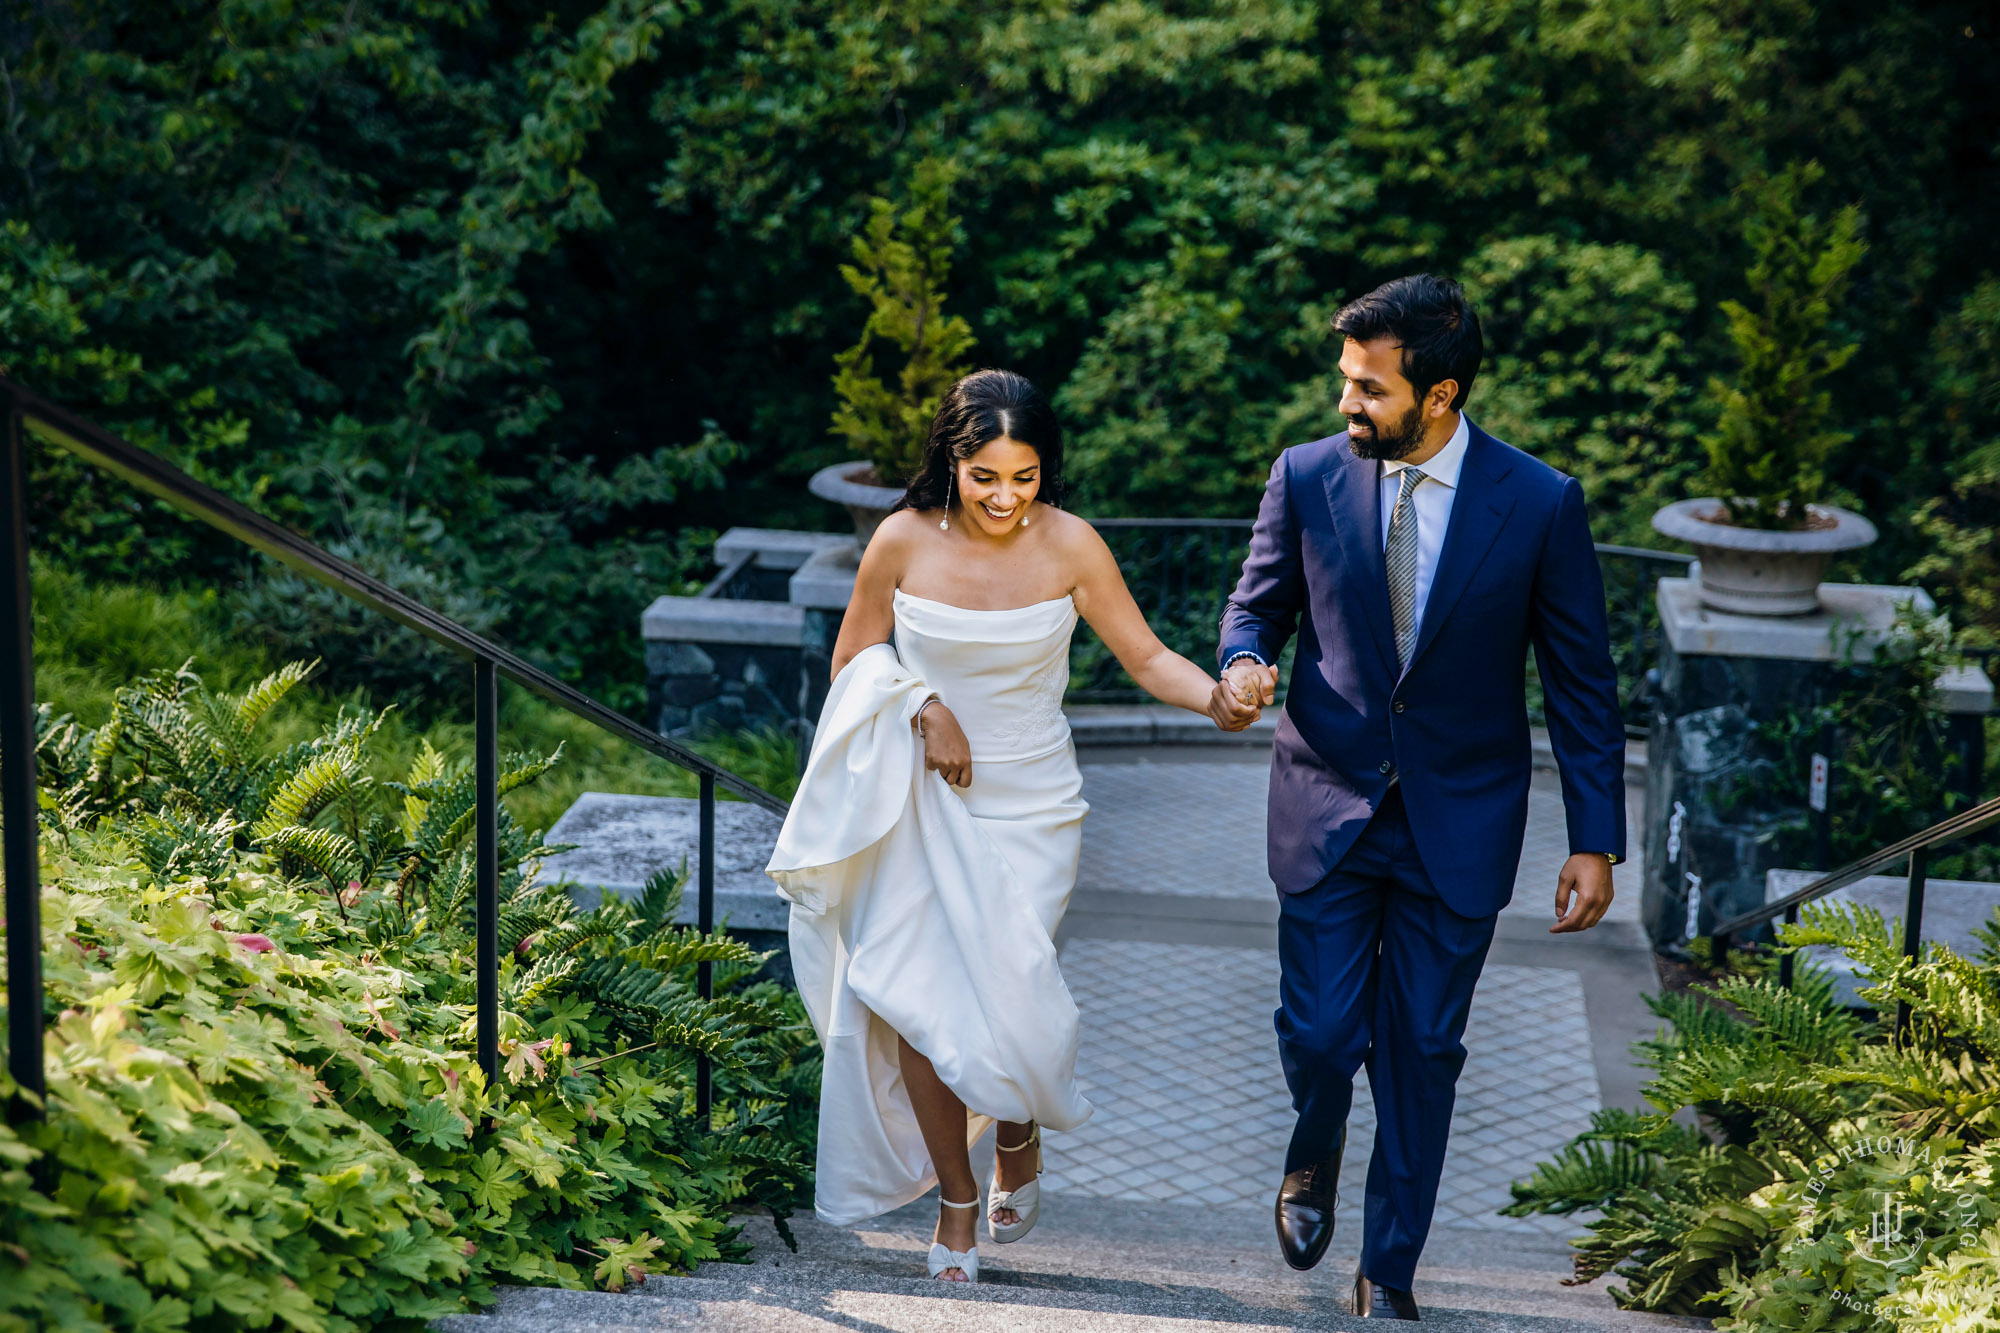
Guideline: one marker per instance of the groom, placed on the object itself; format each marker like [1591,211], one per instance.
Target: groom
[1418,558]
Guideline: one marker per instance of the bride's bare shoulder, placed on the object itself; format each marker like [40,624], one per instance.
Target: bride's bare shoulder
[1085,559]
[1075,537]
[903,526]
[897,544]
[1065,526]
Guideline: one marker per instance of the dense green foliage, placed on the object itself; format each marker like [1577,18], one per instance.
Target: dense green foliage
[1961,523]
[263,1099]
[1840,1179]
[1895,769]
[461,285]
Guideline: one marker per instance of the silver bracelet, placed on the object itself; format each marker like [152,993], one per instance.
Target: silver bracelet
[920,714]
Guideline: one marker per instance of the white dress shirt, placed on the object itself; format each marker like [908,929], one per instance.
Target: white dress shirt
[1432,498]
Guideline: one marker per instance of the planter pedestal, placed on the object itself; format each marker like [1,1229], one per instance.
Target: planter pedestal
[1757,571]
[730,657]
[1710,836]
[866,504]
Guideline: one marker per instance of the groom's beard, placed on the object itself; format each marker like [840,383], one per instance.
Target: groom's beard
[1398,441]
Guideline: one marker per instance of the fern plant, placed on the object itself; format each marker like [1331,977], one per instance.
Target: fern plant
[1808,1117]
[263,957]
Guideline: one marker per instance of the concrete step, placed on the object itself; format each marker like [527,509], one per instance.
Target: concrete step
[1092,1265]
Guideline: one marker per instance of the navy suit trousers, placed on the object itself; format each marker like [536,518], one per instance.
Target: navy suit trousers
[1376,971]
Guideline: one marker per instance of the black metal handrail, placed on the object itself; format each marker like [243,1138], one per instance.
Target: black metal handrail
[1182,570]
[1916,849]
[18,800]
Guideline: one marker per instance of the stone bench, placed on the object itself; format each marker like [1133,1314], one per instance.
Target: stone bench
[622,841]
[1952,909]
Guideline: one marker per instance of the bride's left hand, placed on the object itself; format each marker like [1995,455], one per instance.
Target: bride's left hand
[946,751]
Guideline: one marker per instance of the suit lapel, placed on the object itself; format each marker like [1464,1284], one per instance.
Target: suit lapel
[1354,491]
[1478,512]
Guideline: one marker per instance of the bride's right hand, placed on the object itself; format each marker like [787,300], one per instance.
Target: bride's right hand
[946,751]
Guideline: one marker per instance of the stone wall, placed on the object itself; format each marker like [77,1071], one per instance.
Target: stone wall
[698,686]
[745,653]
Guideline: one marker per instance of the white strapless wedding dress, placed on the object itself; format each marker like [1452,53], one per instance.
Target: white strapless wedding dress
[929,910]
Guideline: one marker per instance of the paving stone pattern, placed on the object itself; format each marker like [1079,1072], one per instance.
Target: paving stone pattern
[1198,829]
[1180,1059]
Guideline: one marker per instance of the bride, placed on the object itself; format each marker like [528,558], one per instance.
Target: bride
[932,847]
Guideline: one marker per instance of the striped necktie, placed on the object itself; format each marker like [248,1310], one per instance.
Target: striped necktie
[1400,555]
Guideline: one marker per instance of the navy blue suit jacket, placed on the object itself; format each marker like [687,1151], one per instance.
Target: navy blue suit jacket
[1517,568]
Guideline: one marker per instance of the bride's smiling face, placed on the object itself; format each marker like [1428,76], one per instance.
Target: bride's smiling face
[998,484]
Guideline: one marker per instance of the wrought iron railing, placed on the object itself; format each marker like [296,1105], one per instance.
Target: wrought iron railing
[1915,850]
[30,413]
[1181,572]
[1631,576]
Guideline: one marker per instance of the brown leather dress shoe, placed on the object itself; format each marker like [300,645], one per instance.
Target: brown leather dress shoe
[1305,1212]
[1372,1300]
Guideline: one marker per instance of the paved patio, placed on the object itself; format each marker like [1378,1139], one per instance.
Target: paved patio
[1170,952]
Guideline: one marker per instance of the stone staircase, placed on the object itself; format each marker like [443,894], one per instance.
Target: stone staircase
[1092,1266]
[1157,1213]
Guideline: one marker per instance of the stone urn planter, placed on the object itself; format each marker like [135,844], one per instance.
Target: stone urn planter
[1762,571]
[868,503]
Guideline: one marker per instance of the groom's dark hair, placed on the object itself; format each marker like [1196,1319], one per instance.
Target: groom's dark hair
[1434,323]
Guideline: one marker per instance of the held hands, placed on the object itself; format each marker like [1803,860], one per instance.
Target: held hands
[1583,892]
[1239,698]
[946,751]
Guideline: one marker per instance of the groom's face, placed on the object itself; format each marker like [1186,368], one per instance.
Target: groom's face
[1384,419]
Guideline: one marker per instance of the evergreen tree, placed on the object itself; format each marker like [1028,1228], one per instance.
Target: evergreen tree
[1767,458]
[901,265]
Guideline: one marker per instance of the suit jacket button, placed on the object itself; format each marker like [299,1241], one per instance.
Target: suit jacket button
[1399,705]
[1386,765]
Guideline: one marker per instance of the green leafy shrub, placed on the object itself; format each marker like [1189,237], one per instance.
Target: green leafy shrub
[92,637]
[263,1103]
[1895,771]
[1961,520]
[1840,1176]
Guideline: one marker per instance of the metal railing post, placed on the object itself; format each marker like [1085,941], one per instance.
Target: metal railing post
[19,808]
[704,971]
[486,836]
[1913,928]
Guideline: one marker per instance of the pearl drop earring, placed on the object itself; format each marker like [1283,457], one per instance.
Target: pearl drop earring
[944,524]
[1024,520]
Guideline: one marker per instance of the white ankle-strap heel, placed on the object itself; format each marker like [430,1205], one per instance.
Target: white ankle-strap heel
[1025,1201]
[942,1258]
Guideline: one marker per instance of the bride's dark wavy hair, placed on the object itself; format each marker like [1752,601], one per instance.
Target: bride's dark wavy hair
[976,411]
